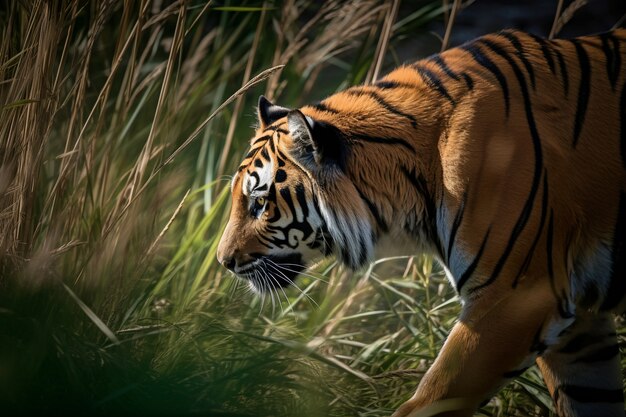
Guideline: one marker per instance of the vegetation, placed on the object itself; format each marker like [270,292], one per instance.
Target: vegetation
[119,124]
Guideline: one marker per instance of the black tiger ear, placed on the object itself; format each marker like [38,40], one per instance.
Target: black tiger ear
[319,140]
[269,113]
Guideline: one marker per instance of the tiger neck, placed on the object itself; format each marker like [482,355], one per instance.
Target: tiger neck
[394,160]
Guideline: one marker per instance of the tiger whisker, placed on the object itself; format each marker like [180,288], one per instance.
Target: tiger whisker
[269,279]
[232,288]
[262,292]
[272,291]
[309,274]
[277,268]
[269,273]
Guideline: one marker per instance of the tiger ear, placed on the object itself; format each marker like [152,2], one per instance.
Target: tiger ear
[316,139]
[269,113]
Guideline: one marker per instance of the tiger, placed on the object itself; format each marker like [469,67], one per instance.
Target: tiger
[505,159]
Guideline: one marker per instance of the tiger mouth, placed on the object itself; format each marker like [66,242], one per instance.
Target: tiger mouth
[272,272]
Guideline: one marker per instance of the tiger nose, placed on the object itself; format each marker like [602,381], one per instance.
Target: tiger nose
[229,263]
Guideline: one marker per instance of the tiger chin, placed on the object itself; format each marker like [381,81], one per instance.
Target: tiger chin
[505,158]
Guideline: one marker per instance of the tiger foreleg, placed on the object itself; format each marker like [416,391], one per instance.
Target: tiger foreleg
[493,342]
[582,370]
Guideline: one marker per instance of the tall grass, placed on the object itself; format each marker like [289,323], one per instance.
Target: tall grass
[119,124]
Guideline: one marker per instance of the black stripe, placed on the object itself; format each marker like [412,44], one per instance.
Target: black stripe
[327,241]
[617,281]
[579,342]
[382,141]
[363,255]
[622,116]
[281,158]
[458,219]
[285,193]
[303,226]
[433,81]
[528,206]
[590,297]
[419,183]
[316,206]
[617,61]
[531,251]
[382,102]
[519,51]
[278,129]
[603,354]
[429,219]
[302,201]
[374,210]
[562,299]
[386,84]
[260,238]
[281,176]
[590,42]
[259,140]
[468,80]
[250,153]
[514,373]
[538,346]
[591,394]
[545,51]
[438,60]
[487,63]
[470,269]
[254,175]
[324,107]
[389,85]
[549,240]
[611,55]
[563,306]
[562,67]
[583,90]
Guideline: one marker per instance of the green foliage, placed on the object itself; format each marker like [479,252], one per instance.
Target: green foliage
[115,149]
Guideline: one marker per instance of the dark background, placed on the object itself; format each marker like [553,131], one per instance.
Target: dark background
[535,16]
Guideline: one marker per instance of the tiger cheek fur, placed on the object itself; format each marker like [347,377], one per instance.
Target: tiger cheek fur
[506,159]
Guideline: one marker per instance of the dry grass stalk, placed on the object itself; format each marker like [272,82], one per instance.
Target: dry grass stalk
[450,22]
[50,104]
[154,244]
[381,48]
[557,14]
[246,77]
[26,116]
[344,30]
[339,26]
[566,16]
[147,153]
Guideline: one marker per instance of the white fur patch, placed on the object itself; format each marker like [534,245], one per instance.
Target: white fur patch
[266,176]
[352,235]
[592,269]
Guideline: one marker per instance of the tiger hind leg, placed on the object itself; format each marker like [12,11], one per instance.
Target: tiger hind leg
[582,370]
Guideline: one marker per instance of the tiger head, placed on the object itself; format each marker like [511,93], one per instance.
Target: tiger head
[293,202]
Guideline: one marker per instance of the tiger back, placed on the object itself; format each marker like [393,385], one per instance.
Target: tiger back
[506,159]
